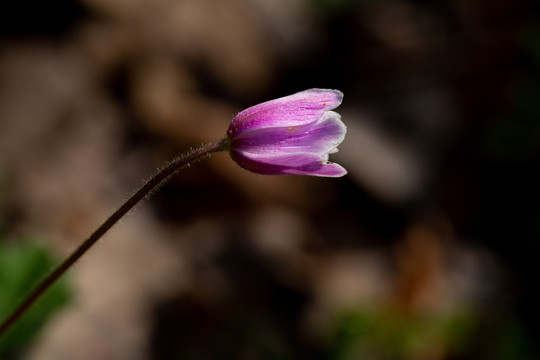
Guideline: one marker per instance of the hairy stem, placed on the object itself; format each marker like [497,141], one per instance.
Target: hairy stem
[160,178]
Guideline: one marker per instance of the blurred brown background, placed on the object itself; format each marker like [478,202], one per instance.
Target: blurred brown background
[426,250]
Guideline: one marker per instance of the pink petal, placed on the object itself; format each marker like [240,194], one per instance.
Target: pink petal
[297,164]
[293,110]
[319,137]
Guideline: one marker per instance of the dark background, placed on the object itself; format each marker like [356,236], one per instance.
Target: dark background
[426,250]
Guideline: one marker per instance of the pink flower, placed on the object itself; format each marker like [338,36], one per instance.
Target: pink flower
[290,135]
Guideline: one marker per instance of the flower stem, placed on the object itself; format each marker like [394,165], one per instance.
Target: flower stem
[160,178]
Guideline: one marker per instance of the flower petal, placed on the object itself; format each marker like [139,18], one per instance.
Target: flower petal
[283,164]
[319,137]
[293,110]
